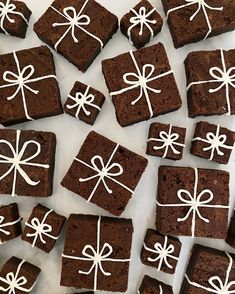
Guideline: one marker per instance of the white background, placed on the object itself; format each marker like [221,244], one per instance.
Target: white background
[71,133]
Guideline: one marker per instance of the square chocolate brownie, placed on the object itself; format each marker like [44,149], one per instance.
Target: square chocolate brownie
[213,142]
[150,285]
[10,226]
[84,103]
[141,24]
[78,30]
[18,276]
[28,86]
[27,161]
[141,84]
[43,228]
[231,232]
[191,21]
[105,173]
[192,202]
[166,141]
[161,252]
[209,271]
[211,82]
[14,18]
[97,253]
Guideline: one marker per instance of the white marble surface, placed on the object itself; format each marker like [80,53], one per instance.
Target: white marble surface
[71,133]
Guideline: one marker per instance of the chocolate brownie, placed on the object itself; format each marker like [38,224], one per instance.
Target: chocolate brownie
[84,103]
[192,202]
[105,173]
[166,141]
[97,253]
[212,142]
[18,276]
[150,285]
[193,21]
[43,228]
[27,162]
[209,271]
[78,30]
[141,84]
[211,82]
[141,24]
[231,232]
[28,86]
[161,252]
[14,18]
[10,226]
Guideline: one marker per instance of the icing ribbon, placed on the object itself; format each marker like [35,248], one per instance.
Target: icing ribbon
[141,80]
[16,161]
[104,171]
[97,256]
[3,225]
[194,202]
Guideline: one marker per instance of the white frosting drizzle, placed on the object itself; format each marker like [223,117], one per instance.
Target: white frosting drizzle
[21,79]
[15,282]
[202,5]
[163,252]
[169,140]
[81,100]
[97,256]
[194,203]
[74,20]
[216,284]
[141,80]
[160,289]
[225,77]
[16,161]
[104,171]
[6,9]
[41,228]
[3,225]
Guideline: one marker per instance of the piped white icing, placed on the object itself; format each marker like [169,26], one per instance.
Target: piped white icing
[160,289]
[16,161]
[4,225]
[97,256]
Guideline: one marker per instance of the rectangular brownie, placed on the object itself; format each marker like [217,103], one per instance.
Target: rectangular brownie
[230,239]
[150,285]
[97,253]
[141,84]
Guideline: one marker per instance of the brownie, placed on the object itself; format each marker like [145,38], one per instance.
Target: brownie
[43,228]
[97,253]
[10,226]
[18,276]
[150,285]
[166,141]
[161,252]
[192,202]
[213,142]
[209,271]
[84,103]
[231,232]
[211,82]
[78,30]
[27,162]
[105,173]
[14,18]
[28,86]
[141,84]
[141,24]
[192,21]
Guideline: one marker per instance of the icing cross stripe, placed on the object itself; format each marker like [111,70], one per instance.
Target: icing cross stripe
[74,20]
[103,171]
[141,80]
[216,284]
[194,202]
[15,282]
[168,141]
[6,224]
[97,256]
[16,161]
[160,290]
[163,253]
[202,6]
[80,101]
[21,79]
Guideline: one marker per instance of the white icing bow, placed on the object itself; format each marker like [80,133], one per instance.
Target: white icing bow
[3,225]
[16,161]
[97,256]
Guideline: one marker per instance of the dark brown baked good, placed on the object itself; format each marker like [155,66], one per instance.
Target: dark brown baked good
[231,232]
[152,286]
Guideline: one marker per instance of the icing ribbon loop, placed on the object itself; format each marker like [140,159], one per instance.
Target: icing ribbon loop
[3,225]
